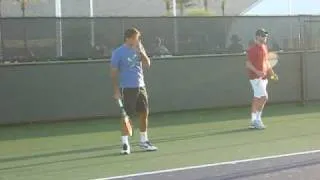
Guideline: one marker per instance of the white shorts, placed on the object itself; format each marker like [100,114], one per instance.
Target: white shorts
[259,87]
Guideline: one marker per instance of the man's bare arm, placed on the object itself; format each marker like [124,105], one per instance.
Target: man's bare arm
[145,60]
[144,56]
[251,67]
[270,69]
[114,79]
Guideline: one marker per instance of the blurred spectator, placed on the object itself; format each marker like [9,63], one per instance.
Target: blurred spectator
[235,46]
[100,50]
[158,49]
[275,46]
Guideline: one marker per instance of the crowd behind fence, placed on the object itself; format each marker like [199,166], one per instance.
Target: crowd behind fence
[46,39]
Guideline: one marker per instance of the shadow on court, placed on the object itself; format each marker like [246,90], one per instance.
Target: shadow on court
[116,146]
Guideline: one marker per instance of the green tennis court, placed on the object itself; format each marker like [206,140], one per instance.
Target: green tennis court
[90,149]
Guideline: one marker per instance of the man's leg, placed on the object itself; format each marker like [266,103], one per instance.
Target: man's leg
[262,102]
[255,100]
[129,96]
[257,103]
[143,110]
[143,126]
[263,99]
[254,109]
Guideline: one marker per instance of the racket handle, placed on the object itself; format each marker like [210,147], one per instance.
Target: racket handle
[120,103]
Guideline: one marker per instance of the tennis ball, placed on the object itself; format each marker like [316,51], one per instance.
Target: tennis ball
[273,77]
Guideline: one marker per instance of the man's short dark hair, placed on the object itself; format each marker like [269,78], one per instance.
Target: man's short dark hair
[129,33]
[262,33]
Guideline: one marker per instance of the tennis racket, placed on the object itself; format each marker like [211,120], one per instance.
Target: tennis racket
[273,61]
[126,119]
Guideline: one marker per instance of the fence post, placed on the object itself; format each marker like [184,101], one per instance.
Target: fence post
[2,48]
[92,24]
[122,27]
[303,79]
[175,35]
[58,14]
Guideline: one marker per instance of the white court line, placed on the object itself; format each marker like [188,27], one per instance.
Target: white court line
[210,165]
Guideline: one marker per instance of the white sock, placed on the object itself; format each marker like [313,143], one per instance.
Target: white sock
[259,113]
[253,116]
[125,139]
[143,137]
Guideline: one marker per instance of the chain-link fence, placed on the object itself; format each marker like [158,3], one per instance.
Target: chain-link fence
[25,39]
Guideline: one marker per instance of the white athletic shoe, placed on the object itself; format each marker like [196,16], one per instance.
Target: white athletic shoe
[257,124]
[252,125]
[125,149]
[147,146]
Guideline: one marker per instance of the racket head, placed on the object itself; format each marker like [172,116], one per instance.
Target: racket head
[273,59]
